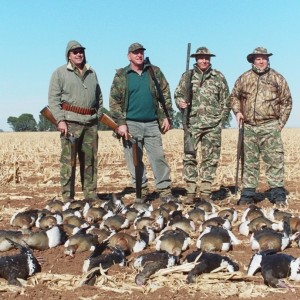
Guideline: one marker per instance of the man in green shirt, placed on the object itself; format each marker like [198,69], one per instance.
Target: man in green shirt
[134,107]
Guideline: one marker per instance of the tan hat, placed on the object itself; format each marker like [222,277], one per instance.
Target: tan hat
[202,51]
[135,46]
[258,51]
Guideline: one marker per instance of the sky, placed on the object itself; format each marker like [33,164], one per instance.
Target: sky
[34,35]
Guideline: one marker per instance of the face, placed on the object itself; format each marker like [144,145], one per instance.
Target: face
[203,61]
[261,61]
[136,58]
[76,56]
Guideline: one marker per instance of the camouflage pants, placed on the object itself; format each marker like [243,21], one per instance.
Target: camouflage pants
[209,140]
[149,136]
[263,141]
[86,147]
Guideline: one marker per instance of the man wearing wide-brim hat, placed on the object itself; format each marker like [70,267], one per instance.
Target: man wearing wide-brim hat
[206,97]
[262,102]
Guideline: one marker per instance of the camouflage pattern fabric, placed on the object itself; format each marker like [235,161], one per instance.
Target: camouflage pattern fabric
[264,140]
[209,110]
[262,97]
[118,99]
[86,148]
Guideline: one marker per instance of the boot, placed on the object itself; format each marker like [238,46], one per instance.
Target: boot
[278,196]
[165,195]
[205,190]
[247,196]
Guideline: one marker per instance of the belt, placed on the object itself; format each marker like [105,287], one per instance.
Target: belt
[77,109]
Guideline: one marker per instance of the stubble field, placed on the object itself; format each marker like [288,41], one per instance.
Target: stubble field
[29,178]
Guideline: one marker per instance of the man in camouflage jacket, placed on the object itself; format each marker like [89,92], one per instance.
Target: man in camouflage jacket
[261,99]
[75,100]
[209,110]
[134,106]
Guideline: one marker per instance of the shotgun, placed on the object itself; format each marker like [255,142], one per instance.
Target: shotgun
[188,145]
[161,97]
[239,155]
[107,120]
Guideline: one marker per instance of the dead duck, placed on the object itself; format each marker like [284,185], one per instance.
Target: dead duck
[24,219]
[267,239]
[55,205]
[128,243]
[197,215]
[207,262]
[216,239]
[6,236]
[80,242]
[173,241]
[94,214]
[251,212]
[157,223]
[151,262]
[177,220]
[275,214]
[115,222]
[205,205]
[217,222]
[274,267]
[102,259]
[115,204]
[258,223]
[45,239]
[22,265]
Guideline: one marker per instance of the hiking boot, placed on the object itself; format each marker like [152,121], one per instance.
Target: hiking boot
[278,196]
[191,188]
[247,197]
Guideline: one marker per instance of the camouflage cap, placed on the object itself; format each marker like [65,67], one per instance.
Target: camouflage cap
[135,46]
[202,51]
[258,51]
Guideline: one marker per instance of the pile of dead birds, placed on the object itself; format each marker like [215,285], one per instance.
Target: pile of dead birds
[156,240]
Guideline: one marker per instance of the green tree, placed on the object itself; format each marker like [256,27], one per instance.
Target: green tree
[24,122]
[45,125]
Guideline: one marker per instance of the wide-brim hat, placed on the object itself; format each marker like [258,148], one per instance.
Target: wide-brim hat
[135,46]
[258,51]
[202,51]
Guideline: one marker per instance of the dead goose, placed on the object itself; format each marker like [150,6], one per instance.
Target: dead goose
[173,241]
[104,260]
[216,239]
[22,265]
[151,262]
[274,267]
[208,262]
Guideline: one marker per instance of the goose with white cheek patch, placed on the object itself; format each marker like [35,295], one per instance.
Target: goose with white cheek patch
[22,265]
[207,262]
[102,259]
[151,262]
[275,267]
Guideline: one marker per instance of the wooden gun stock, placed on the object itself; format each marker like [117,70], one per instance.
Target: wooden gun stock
[46,113]
[105,119]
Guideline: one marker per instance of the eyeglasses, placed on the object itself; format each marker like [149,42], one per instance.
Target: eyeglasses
[80,51]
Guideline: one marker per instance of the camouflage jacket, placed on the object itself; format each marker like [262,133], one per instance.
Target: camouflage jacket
[262,98]
[118,99]
[210,104]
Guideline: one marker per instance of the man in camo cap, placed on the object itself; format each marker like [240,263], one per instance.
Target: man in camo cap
[261,99]
[209,110]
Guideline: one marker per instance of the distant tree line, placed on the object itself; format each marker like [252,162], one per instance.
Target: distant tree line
[26,122]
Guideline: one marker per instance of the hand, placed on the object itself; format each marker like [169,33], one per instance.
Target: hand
[239,118]
[165,125]
[62,127]
[183,104]
[123,131]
